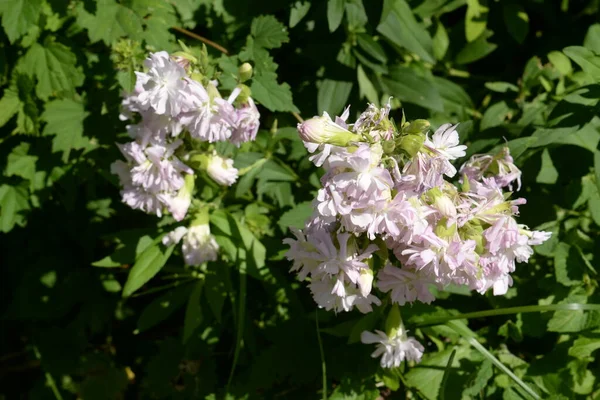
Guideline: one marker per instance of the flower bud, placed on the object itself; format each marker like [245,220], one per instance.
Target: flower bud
[443,231]
[412,144]
[221,170]
[245,72]
[393,322]
[417,126]
[179,205]
[365,281]
[324,130]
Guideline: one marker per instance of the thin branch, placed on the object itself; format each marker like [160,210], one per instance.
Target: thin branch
[202,39]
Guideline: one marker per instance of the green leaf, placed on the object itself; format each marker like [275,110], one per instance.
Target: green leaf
[476,50]
[18,16]
[111,22]
[548,174]
[13,201]
[268,32]
[20,163]
[576,320]
[427,379]
[146,266]
[333,96]
[9,105]
[296,217]
[193,312]
[567,267]
[475,20]
[479,380]
[495,115]
[298,11]
[215,290]
[64,120]
[335,13]
[516,20]
[592,38]
[440,42]
[371,47]
[561,62]
[409,87]
[272,95]
[501,87]
[365,87]
[163,307]
[55,67]
[586,59]
[398,24]
[355,14]
[583,347]
[597,168]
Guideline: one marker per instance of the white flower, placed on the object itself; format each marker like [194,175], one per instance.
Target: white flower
[209,118]
[199,246]
[221,170]
[393,350]
[162,85]
[174,236]
[445,141]
[406,286]
[246,124]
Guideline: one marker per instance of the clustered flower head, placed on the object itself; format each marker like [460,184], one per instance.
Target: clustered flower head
[388,218]
[177,115]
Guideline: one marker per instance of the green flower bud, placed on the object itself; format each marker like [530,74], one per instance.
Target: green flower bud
[393,322]
[412,144]
[324,130]
[245,72]
[417,126]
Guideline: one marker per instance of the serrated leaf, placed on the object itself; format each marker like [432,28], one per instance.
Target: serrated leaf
[13,201]
[398,24]
[479,380]
[584,347]
[268,32]
[333,96]
[9,105]
[20,163]
[112,21]
[64,120]
[55,67]
[146,266]
[272,95]
[296,217]
[193,312]
[298,12]
[18,16]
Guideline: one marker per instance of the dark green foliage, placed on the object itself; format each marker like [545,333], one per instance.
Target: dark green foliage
[93,307]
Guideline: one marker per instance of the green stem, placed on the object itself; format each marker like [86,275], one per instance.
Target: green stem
[323,363]
[508,311]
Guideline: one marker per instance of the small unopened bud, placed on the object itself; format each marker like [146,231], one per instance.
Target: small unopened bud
[180,203]
[393,322]
[245,72]
[417,126]
[388,146]
[324,130]
[444,231]
[412,144]
[197,76]
[365,281]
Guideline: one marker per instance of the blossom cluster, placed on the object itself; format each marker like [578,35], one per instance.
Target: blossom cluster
[177,116]
[387,217]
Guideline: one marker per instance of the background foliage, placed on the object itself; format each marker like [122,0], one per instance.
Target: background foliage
[522,72]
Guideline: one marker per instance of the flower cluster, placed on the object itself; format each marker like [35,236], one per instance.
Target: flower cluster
[177,115]
[387,210]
